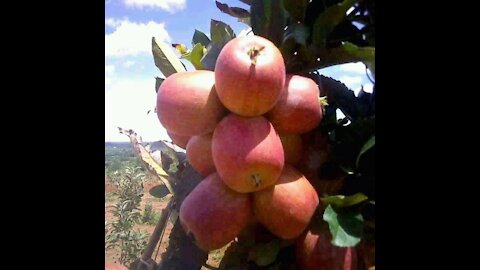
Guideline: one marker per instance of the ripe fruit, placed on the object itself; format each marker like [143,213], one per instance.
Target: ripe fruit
[179,140]
[292,147]
[187,103]
[214,214]
[249,75]
[199,154]
[247,153]
[287,207]
[298,110]
[315,252]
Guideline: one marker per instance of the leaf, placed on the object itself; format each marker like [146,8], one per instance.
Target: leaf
[345,227]
[339,95]
[210,58]
[327,20]
[158,82]
[232,11]
[159,191]
[200,37]
[298,32]
[296,8]
[220,32]
[367,146]
[155,168]
[264,254]
[345,201]
[165,59]
[268,19]
[181,48]
[195,56]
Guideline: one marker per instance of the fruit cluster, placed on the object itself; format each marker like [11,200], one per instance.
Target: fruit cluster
[241,126]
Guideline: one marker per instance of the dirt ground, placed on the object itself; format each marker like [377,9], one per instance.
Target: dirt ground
[157,205]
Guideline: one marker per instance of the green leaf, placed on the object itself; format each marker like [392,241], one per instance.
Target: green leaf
[264,254]
[367,146]
[200,37]
[220,32]
[195,55]
[345,201]
[327,20]
[268,19]
[299,32]
[158,82]
[345,227]
[210,58]
[165,59]
[232,11]
[159,191]
[296,8]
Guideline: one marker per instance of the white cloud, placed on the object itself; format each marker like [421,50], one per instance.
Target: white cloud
[368,88]
[128,63]
[357,67]
[126,104]
[169,5]
[130,38]
[109,69]
[351,81]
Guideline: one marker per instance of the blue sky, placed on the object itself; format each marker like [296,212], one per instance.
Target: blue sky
[129,66]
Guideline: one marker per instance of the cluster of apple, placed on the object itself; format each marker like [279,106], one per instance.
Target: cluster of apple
[241,127]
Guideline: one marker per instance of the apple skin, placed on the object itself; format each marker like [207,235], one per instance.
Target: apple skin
[298,109]
[179,140]
[315,251]
[292,147]
[249,85]
[199,154]
[214,214]
[286,208]
[247,153]
[187,103]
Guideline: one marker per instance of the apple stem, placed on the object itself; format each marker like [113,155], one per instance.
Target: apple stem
[253,53]
[256,179]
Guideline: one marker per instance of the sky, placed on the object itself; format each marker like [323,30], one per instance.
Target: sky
[130,70]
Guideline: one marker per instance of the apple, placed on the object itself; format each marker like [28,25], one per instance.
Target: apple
[179,140]
[286,208]
[292,147]
[214,214]
[199,154]
[315,251]
[187,103]
[247,153]
[298,109]
[249,75]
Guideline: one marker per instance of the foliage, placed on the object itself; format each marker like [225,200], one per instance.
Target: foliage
[120,233]
[149,215]
[311,35]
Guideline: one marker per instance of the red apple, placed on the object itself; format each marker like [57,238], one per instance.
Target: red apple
[214,214]
[286,208]
[315,251]
[179,140]
[199,154]
[187,103]
[298,110]
[292,147]
[247,153]
[249,75]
